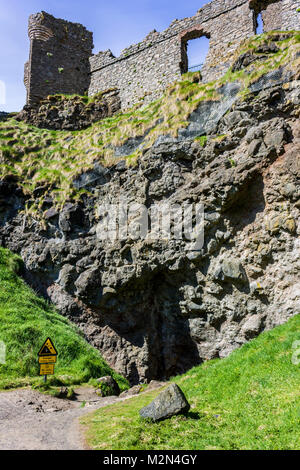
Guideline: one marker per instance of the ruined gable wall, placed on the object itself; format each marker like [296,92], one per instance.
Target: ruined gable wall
[148,67]
[59,57]
[144,70]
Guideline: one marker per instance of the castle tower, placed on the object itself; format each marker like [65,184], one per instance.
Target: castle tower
[59,57]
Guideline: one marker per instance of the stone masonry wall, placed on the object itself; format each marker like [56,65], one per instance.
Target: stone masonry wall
[148,67]
[59,57]
[282,15]
[143,70]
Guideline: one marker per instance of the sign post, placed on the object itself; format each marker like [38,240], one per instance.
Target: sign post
[47,358]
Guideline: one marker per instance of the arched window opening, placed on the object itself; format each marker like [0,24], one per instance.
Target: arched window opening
[197,50]
[259,26]
[195,46]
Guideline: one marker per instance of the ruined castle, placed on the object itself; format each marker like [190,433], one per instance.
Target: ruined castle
[61,58]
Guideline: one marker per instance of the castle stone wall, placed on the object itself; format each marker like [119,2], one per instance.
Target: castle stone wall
[282,15]
[143,70]
[59,57]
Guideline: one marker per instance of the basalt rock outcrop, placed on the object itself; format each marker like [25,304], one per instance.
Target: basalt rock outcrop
[156,308]
[3,116]
[67,112]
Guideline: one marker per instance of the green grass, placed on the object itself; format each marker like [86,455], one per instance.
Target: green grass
[249,400]
[26,320]
[39,158]
[201,140]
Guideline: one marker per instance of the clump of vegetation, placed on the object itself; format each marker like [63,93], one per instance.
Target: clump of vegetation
[232,162]
[56,388]
[104,390]
[249,400]
[201,140]
[26,320]
[52,160]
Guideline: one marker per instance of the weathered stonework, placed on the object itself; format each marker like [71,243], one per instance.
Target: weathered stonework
[70,112]
[143,70]
[282,15]
[59,57]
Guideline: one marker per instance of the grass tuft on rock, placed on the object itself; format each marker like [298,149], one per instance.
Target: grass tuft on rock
[40,158]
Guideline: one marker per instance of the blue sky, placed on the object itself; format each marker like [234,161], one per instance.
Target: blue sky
[116,24]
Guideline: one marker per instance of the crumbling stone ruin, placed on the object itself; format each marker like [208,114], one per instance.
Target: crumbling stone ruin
[61,59]
[58,59]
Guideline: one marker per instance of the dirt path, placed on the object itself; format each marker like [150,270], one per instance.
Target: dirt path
[30,420]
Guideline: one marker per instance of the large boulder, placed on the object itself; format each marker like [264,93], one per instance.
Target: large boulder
[169,402]
[107,386]
[135,390]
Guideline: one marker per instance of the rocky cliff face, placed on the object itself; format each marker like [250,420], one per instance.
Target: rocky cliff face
[156,308]
[3,116]
[70,112]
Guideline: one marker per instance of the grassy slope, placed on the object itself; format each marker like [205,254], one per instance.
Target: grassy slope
[249,400]
[39,157]
[25,322]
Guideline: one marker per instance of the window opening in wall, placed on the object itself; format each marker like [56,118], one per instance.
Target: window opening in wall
[197,50]
[259,24]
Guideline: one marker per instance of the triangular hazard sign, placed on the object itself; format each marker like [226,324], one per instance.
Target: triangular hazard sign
[47,349]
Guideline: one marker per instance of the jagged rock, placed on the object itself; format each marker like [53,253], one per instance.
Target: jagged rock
[154,384]
[67,277]
[135,390]
[254,133]
[236,118]
[155,308]
[254,147]
[230,269]
[70,112]
[246,59]
[4,116]
[267,48]
[289,190]
[52,212]
[275,222]
[169,402]
[252,326]
[275,138]
[70,216]
[88,286]
[107,386]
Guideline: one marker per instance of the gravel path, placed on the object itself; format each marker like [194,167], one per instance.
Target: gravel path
[30,420]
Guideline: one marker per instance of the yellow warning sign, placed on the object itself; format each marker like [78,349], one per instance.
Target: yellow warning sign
[47,359]
[47,349]
[46,369]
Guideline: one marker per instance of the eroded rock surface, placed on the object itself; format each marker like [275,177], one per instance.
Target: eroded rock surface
[154,309]
[70,112]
